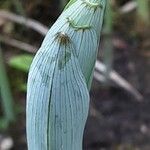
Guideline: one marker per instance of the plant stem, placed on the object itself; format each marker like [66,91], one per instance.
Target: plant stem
[7,100]
[143,10]
[108,48]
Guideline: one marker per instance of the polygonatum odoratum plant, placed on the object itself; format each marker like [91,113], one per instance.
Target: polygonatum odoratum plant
[60,78]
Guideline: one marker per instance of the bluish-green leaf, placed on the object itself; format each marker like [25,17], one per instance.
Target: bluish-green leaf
[60,77]
[57,99]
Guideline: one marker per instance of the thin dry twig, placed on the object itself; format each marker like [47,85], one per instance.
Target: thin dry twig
[18,44]
[117,79]
[128,7]
[30,23]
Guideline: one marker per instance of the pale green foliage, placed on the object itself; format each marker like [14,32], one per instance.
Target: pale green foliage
[60,78]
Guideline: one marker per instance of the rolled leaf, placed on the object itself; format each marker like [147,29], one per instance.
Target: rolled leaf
[60,77]
[57,98]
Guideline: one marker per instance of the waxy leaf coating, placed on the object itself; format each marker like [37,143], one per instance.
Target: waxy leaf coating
[60,78]
[58,99]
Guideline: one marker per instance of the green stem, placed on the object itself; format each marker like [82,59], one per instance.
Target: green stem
[7,101]
[108,48]
[143,10]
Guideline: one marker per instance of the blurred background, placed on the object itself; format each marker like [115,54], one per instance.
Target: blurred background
[119,117]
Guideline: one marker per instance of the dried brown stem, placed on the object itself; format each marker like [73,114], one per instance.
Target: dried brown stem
[30,23]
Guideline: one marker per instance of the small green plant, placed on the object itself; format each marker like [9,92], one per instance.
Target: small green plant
[21,62]
[60,78]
